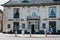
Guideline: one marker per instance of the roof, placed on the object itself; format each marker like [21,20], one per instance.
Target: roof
[31,3]
[1,11]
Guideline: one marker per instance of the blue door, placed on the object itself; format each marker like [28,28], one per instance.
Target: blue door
[52,24]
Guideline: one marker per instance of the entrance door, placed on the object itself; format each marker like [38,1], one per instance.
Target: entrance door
[52,24]
[16,24]
[32,29]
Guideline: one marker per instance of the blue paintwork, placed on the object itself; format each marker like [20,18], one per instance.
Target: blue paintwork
[52,12]
[33,13]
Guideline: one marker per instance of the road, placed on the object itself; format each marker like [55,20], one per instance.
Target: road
[26,37]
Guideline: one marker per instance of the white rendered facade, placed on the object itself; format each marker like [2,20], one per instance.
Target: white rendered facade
[34,12]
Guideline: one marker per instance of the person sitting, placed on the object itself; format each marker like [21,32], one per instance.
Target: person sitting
[51,30]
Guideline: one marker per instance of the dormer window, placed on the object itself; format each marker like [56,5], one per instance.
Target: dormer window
[25,1]
[56,0]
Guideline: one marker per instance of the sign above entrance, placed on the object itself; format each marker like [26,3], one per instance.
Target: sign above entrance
[33,18]
[14,20]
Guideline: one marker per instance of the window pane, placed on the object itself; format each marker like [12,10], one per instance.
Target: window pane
[25,1]
[23,25]
[33,13]
[52,12]
[43,25]
[9,25]
[16,13]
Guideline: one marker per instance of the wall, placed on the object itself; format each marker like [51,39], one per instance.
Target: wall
[43,12]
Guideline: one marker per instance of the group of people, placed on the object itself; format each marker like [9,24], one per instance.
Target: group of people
[51,29]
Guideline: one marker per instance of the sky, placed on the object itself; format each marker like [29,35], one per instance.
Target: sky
[2,2]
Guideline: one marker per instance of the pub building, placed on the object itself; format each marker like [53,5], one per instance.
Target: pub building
[31,15]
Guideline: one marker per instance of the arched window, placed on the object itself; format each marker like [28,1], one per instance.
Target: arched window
[33,13]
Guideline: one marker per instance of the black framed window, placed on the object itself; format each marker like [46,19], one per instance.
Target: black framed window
[9,25]
[25,1]
[23,25]
[16,12]
[43,25]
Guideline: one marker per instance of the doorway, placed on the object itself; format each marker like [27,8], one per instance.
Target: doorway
[32,29]
[52,24]
[17,26]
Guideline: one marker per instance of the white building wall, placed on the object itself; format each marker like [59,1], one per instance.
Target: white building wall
[43,12]
[23,15]
[58,16]
[5,19]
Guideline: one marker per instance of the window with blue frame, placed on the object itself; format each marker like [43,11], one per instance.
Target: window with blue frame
[33,13]
[52,12]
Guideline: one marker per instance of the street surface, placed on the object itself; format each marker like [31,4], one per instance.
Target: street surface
[26,37]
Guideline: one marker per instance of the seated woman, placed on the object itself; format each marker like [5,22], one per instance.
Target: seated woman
[51,30]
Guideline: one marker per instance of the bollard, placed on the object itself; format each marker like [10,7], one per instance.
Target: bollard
[45,32]
[30,33]
[23,32]
[15,33]
[50,33]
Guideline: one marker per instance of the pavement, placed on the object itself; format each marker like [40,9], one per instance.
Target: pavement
[27,37]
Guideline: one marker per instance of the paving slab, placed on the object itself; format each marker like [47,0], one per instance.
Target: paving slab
[26,37]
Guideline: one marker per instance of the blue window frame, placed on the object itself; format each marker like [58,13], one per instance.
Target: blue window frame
[33,13]
[52,12]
